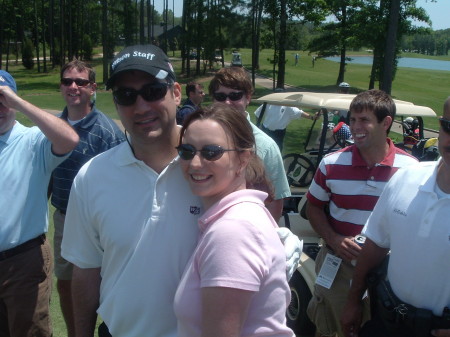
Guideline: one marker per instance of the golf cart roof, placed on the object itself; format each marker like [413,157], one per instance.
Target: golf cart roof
[335,101]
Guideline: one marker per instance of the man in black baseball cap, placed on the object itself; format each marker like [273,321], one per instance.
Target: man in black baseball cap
[131,214]
[119,195]
[147,58]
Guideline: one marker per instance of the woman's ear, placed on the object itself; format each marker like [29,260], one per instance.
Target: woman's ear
[244,158]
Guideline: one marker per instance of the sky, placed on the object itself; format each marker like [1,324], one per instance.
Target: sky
[438,11]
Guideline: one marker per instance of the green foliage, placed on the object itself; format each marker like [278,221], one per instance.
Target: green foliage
[87,48]
[428,42]
[28,54]
[57,53]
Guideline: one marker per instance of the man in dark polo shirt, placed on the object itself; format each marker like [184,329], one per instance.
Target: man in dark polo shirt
[195,94]
[97,133]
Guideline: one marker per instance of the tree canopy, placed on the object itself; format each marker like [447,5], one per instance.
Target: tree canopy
[50,32]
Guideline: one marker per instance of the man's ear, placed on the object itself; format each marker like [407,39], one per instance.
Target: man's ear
[177,93]
[387,122]
[93,88]
[249,99]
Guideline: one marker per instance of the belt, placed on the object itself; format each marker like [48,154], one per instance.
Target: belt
[62,211]
[397,312]
[6,254]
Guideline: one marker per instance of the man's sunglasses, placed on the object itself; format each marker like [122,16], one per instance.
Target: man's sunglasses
[80,82]
[445,124]
[209,152]
[233,96]
[150,92]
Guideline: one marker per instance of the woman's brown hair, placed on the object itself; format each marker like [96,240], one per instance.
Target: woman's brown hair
[240,131]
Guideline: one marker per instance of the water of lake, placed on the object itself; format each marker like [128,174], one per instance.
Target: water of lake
[404,62]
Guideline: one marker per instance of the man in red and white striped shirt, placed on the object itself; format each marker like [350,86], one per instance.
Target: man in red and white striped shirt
[344,192]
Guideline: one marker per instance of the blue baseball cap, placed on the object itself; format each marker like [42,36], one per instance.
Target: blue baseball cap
[7,80]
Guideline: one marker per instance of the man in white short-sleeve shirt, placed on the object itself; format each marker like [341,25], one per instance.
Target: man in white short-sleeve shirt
[411,220]
[131,222]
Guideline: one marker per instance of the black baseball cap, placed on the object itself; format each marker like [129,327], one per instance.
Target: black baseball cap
[147,58]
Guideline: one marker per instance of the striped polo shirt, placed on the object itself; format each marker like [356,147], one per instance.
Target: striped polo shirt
[350,188]
[97,133]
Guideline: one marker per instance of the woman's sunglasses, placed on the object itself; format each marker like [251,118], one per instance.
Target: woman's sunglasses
[209,152]
[445,124]
[80,82]
[233,96]
[150,92]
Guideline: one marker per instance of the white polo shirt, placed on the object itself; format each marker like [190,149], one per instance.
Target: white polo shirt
[413,222]
[278,117]
[141,229]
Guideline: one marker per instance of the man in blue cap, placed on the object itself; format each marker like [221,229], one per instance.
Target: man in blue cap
[27,159]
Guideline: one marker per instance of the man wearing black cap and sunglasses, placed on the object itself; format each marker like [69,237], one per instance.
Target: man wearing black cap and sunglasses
[411,220]
[131,222]
[97,133]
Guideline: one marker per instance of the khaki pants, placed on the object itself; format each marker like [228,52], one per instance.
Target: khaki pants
[326,305]
[63,268]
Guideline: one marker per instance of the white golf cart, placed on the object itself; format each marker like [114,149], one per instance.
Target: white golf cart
[236,59]
[300,169]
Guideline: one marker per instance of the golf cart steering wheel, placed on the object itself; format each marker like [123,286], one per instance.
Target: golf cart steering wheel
[299,169]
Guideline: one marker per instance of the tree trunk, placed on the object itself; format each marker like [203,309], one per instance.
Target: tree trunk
[2,33]
[373,72]
[141,23]
[20,35]
[105,39]
[166,18]
[275,55]
[183,39]
[70,44]
[282,45]
[149,22]
[153,19]
[389,54]
[44,54]
[254,16]
[343,50]
[258,31]
[36,36]
[199,30]
[62,41]
[50,33]
[189,33]
[219,23]
[8,36]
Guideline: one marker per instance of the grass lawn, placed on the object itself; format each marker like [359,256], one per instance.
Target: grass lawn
[59,327]
[422,87]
